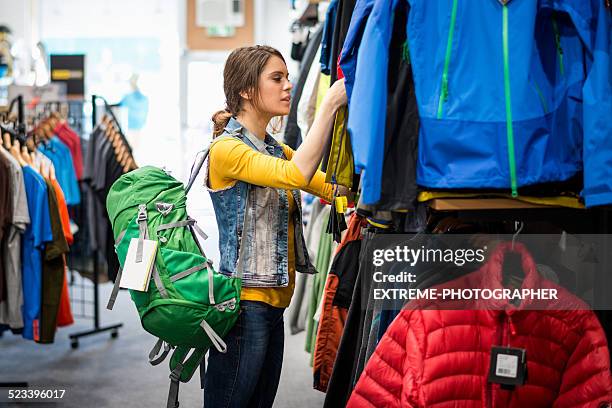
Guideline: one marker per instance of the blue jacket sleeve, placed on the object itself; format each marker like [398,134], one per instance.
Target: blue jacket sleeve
[368,106]
[597,99]
[348,55]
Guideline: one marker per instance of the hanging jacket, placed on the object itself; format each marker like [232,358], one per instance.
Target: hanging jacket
[508,93]
[439,357]
[293,134]
[334,310]
[348,55]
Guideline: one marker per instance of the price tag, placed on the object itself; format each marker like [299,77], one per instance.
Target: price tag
[508,366]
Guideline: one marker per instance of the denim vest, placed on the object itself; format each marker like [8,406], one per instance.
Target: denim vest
[265,212]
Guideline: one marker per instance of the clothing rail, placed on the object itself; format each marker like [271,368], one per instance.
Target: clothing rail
[108,109]
[113,328]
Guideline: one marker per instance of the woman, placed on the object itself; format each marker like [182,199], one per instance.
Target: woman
[254,184]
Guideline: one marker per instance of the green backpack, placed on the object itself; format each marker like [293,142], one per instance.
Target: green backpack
[188,305]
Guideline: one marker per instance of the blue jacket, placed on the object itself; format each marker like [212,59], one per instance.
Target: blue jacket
[348,55]
[508,95]
[326,42]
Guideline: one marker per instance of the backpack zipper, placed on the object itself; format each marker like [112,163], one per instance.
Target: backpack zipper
[558,44]
[449,45]
[509,127]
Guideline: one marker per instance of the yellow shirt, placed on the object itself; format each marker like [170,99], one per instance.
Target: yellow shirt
[232,160]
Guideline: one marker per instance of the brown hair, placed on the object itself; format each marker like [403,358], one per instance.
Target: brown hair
[241,74]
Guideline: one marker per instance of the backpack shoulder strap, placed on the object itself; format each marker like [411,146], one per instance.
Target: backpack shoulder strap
[199,162]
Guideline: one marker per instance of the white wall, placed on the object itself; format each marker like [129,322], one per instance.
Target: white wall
[108,18]
[272,21]
[17,15]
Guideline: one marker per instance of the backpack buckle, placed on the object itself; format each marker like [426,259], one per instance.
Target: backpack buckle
[142,212]
[174,376]
[164,208]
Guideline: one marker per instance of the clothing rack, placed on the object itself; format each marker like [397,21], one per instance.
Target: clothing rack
[113,328]
[19,130]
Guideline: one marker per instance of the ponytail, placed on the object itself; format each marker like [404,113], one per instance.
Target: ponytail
[220,120]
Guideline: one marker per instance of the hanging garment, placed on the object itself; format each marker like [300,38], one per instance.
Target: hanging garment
[63,211]
[64,313]
[340,167]
[73,141]
[521,119]
[308,102]
[60,155]
[341,23]
[35,237]
[10,309]
[293,133]
[101,170]
[568,201]
[298,310]
[340,382]
[348,55]
[398,189]
[342,274]
[322,264]
[326,42]
[341,26]
[53,269]
[6,214]
[436,357]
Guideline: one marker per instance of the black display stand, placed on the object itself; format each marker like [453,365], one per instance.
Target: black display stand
[113,328]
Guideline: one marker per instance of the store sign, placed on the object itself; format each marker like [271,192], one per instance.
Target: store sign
[70,70]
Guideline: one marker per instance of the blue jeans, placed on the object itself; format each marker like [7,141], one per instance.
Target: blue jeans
[247,375]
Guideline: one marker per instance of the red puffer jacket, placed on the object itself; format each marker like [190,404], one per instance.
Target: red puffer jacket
[440,358]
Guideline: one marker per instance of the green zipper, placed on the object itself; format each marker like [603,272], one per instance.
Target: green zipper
[406,52]
[558,42]
[449,46]
[541,96]
[509,129]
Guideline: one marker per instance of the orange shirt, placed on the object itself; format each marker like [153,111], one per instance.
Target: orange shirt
[64,312]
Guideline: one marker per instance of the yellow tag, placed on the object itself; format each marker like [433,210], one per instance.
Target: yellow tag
[341,204]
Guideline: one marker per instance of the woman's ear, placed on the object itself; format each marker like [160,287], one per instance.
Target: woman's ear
[245,95]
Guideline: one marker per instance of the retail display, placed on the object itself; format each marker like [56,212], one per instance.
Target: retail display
[469,127]
[38,185]
[453,108]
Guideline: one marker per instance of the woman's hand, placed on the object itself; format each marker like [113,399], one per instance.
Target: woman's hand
[308,156]
[335,96]
[342,191]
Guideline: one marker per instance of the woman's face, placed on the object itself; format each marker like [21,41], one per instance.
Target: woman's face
[275,88]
